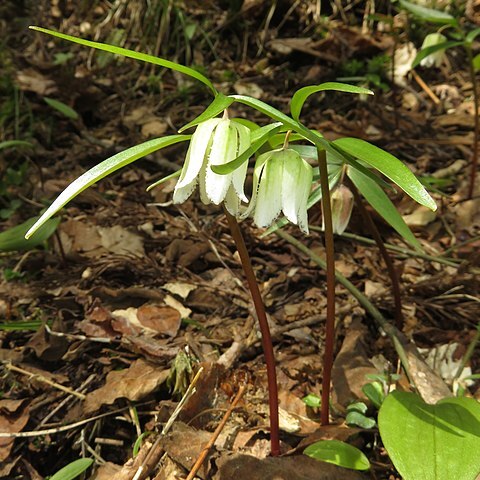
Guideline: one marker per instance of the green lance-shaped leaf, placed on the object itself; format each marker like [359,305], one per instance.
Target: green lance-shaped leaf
[62,108]
[259,138]
[390,166]
[73,470]
[379,200]
[425,52]
[218,105]
[13,239]
[301,95]
[431,442]
[15,144]
[103,169]
[429,14]
[476,62]
[132,54]
[471,36]
[339,453]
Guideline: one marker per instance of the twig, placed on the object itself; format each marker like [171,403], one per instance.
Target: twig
[425,87]
[64,428]
[468,353]
[203,455]
[142,469]
[43,379]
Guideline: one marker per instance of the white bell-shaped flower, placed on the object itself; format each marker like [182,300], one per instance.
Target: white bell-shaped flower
[215,142]
[437,57]
[342,200]
[282,183]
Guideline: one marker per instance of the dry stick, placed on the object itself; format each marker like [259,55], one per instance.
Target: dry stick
[389,329]
[203,454]
[476,101]
[468,354]
[330,323]
[425,87]
[265,331]
[43,379]
[383,251]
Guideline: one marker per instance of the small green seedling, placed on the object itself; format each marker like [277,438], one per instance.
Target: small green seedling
[73,470]
[216,163]
[339,453]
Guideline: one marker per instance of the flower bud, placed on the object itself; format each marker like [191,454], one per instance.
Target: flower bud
[341,200]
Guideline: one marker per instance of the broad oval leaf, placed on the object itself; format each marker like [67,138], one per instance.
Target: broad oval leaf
[260,137]
[218,105]
[14,239]
[379,200]
[301,95]
[101,170]
[429,14]
[390,166]
[338,453]
[144,57]
[431,442]
[73,470]
[425,52]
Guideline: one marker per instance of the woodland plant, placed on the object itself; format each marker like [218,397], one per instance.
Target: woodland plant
[284,180]
[451,33]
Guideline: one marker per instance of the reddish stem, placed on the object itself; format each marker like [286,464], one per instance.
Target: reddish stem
[330,256]
[476,106]
[264,329]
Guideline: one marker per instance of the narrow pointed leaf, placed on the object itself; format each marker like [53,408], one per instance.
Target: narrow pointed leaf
[218,105]
[15,144]
[13,239]
[164,179]
[62,108]
[429,14]
[339,453]
[100,171]
[132,54]
[425,52]
[379,200]
[73,470]
[390,166]
[301,95]
[259,137]
[471,36]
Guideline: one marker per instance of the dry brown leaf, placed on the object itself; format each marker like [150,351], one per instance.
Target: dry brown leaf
[33,81]
[134,383]
[14,416]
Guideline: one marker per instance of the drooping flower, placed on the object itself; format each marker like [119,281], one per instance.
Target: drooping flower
[215,142]
[341,200]
[437,57]
[282,183]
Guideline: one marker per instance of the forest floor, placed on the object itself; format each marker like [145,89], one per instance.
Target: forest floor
[103,328]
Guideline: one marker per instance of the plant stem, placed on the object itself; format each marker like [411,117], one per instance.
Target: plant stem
[389,329]
[367,218]
[476,105]
[468,354]
[330,323]
[264,329]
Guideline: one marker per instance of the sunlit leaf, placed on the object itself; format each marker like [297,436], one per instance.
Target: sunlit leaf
[431,442]
[339,453]
[471,36]
[132,54]
[476,62]
[103,169]
[390,166]
[429,14]
[301,95]
[218,105]
[425,52]
[379,200]
[73,470]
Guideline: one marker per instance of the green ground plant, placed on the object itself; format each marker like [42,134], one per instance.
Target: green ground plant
[451,33]
[285,182]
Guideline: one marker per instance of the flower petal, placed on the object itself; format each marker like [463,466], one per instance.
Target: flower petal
[238,175]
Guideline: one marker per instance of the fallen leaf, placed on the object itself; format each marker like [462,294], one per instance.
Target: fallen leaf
[133,383]
[14,416]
